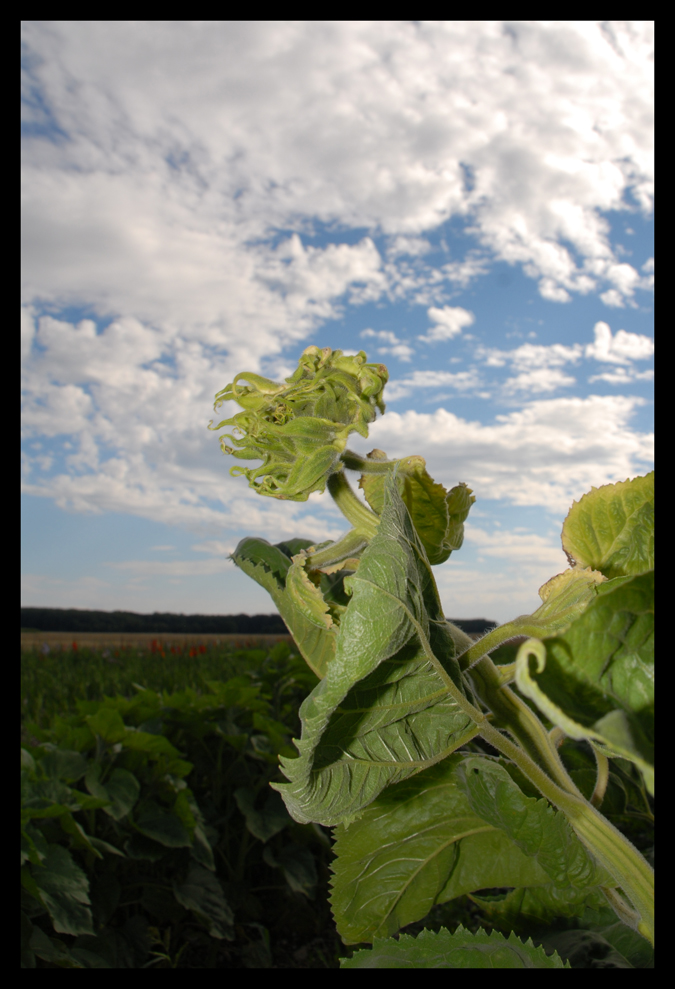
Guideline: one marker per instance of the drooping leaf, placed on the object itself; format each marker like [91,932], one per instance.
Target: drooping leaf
[612,528]
[596,680]
[422,843]
[438,515]
[459,950]
[299,602]
[385,709]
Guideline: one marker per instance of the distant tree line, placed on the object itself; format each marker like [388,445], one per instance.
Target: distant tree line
[76,620]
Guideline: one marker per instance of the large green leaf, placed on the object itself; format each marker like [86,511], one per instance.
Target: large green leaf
[459,950]
[298,600]
[387,706]
[596,681]
[64,889]
[444,833]
[612,528]
[438,515]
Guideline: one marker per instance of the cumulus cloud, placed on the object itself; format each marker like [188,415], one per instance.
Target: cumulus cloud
[429,381]
[620,349]
[175,175]
[162,183]
[448,321]
[547,453]
[396,347]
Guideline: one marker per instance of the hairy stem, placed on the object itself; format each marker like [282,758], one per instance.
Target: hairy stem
[353,509]
[354,461]
[608,846]
[351,544]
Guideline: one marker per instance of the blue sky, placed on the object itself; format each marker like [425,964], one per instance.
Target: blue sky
[468,202]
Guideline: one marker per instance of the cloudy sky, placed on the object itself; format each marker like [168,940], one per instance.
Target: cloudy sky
[470,202]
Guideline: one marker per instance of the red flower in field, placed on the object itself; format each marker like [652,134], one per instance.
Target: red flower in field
[74,646]
[153,645]
[193,652]
[202,649]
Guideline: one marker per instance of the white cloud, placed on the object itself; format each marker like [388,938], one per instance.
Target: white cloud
[429,380]
[519,564]
[174,169]
[449,323]
[547,453]
[539,380]
[620,349]
[412,246]
[172,568]
[397,348]
[188,142]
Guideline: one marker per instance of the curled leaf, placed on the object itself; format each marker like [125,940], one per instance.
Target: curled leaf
[299,428]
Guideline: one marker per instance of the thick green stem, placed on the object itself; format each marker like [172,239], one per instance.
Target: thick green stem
[609,847]
[354,461]
[511,712]
[538,759]
[358,514]
[351,544]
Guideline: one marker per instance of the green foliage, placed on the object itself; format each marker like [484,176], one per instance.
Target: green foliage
[300,428]
[150,836]
[450,779]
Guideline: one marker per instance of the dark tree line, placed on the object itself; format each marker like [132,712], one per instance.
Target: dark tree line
[75,620]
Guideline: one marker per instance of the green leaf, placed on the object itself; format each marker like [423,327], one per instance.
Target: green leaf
[586,949]
[202,893]
[532,908]
[596,681]
[299,602]
[459,950]
[531,824]
[121,789]
[422,843]
[387,707]
[438,515]
[64,890]
[298,866]
[612,528]
[165,828]
[265,823]
[62,764]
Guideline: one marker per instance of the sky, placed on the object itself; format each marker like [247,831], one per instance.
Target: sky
[469,202]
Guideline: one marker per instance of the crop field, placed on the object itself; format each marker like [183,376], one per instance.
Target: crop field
[102,640]
[145,778]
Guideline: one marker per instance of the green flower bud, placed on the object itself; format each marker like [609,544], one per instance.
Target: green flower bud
[299,429]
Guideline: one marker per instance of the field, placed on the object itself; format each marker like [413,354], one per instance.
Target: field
[100,640]
[145,780]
